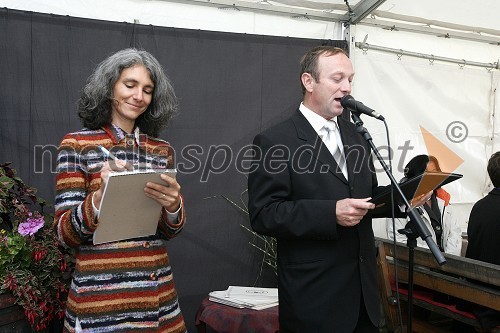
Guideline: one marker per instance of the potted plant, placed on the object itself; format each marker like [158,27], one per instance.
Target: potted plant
[33,264]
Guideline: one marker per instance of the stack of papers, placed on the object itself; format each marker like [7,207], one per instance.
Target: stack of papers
[246,297]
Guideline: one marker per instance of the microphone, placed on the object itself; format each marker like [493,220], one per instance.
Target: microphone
[349,103]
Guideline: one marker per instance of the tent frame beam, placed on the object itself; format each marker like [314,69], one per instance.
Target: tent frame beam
[264,8]
[461,62]
[444,33]
[361,10]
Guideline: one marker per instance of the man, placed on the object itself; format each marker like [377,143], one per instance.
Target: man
[483,232]
[299,194]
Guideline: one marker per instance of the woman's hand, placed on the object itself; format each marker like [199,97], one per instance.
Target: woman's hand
[167,194]
[420,200]
[107,168]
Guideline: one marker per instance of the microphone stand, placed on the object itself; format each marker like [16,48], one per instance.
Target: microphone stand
[417,226]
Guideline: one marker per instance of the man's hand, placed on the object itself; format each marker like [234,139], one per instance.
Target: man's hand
[350,211]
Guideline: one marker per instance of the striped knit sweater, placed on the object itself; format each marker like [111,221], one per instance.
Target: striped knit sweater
[124,286]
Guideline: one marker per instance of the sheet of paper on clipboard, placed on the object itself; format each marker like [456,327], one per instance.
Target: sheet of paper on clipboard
[125,211]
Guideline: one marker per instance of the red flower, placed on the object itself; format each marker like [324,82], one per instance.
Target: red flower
[63,266]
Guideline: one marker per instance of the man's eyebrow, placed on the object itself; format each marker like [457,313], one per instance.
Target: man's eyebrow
[342,73]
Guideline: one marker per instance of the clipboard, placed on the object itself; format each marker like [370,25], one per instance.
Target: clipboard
[412,188]
[125,211]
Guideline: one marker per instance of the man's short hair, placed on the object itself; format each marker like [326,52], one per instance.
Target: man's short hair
[309,62]
[494,169]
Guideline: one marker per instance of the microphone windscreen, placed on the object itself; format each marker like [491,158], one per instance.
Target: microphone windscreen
[345,100]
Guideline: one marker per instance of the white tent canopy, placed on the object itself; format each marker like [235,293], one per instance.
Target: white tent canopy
[465,19]
[422,64]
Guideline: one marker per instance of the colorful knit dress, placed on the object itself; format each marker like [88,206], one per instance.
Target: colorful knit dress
[124,286]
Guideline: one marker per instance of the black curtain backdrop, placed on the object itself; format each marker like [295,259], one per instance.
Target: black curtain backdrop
[230,86]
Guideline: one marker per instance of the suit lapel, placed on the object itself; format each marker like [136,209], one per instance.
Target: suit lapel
[308,136]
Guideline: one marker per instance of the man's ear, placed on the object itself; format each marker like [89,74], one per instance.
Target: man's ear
[307,81]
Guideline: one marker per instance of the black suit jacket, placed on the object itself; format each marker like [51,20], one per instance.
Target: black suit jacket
[483,229]
[322,266]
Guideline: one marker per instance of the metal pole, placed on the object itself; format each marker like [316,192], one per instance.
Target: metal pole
[430,57]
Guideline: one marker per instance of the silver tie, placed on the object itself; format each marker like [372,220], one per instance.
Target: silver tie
[331,139]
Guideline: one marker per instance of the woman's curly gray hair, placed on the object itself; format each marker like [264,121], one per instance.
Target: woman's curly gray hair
[96,101]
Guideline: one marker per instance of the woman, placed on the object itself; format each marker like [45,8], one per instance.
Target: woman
[127,285]
[437,212]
